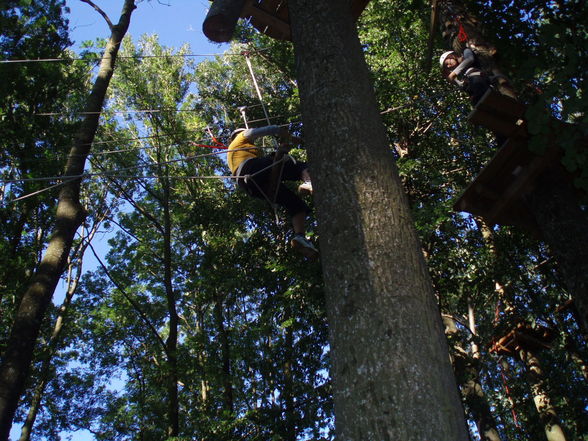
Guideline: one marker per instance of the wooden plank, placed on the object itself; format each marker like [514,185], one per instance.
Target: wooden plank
[494,193]
[493,121]
[499,113]
[517,189]
[502,104]
[270,18]
[485,182]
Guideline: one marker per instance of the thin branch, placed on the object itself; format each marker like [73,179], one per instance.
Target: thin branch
[101,12]
[134,304]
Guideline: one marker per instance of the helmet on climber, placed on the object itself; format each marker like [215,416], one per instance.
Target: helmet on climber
[235,132]
[448,61]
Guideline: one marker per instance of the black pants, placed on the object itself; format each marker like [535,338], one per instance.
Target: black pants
[476,86]
[257,185]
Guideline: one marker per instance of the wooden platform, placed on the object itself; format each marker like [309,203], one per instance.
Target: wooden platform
[523,336]
[501,114]
[496,193]
[271,16]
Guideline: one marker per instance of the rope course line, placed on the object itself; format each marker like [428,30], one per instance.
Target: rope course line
[173,161]
[91,175]
[93,60]
[120,57]
[115,112]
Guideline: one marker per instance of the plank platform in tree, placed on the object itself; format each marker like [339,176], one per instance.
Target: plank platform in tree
[270,17]
[496,192]
[523,336]
[499,113]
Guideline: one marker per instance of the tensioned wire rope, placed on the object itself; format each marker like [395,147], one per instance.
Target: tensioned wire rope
[281,161]
[114,174]
[86,175]
[118,57]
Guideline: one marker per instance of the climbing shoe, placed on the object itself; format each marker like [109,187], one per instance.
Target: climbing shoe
[305,188]
[303,246]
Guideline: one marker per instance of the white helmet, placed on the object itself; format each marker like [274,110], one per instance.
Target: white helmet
[236,132]
[444,56]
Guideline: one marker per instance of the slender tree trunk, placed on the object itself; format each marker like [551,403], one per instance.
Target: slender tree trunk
[225,355]
[390,368]
[171,343]
[547,413]
[288,392]
[70,214]
[466,368]
[72,284]
[579,360]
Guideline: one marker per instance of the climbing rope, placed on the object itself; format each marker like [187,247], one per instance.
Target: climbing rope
[280,162]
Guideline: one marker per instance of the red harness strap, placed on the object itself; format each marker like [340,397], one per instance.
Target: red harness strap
[462,35]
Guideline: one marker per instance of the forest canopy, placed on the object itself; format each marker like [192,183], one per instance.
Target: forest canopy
[196,320]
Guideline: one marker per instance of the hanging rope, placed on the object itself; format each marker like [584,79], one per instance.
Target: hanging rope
[280,158]
[509,396]
[248,60]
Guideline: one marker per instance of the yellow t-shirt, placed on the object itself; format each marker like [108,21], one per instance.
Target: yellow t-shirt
[240,150]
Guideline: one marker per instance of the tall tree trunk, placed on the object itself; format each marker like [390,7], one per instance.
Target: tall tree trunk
[25,434]
[547,413]
[391,368]
[288,390]
[70,214]
[171,343]
[564,227]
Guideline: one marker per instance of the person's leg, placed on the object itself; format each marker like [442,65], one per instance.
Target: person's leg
[297,210]
[298,223]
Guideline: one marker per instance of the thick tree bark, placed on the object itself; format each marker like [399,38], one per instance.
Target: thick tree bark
[391,368]
[70,214]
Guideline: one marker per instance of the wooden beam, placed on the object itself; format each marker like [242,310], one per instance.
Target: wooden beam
[499,113]
[221,20]
[521,184]
[265,21]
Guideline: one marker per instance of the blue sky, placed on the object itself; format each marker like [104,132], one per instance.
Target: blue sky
[175,21]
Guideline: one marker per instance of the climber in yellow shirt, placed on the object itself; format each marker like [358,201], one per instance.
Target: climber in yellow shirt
[253,171]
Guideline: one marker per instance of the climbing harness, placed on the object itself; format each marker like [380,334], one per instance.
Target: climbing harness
[280,161]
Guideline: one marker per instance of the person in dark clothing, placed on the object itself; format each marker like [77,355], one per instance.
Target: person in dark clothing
[253,173]
[464,72]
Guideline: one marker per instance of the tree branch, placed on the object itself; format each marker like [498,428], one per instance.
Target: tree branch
[134,304]
[101,12]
